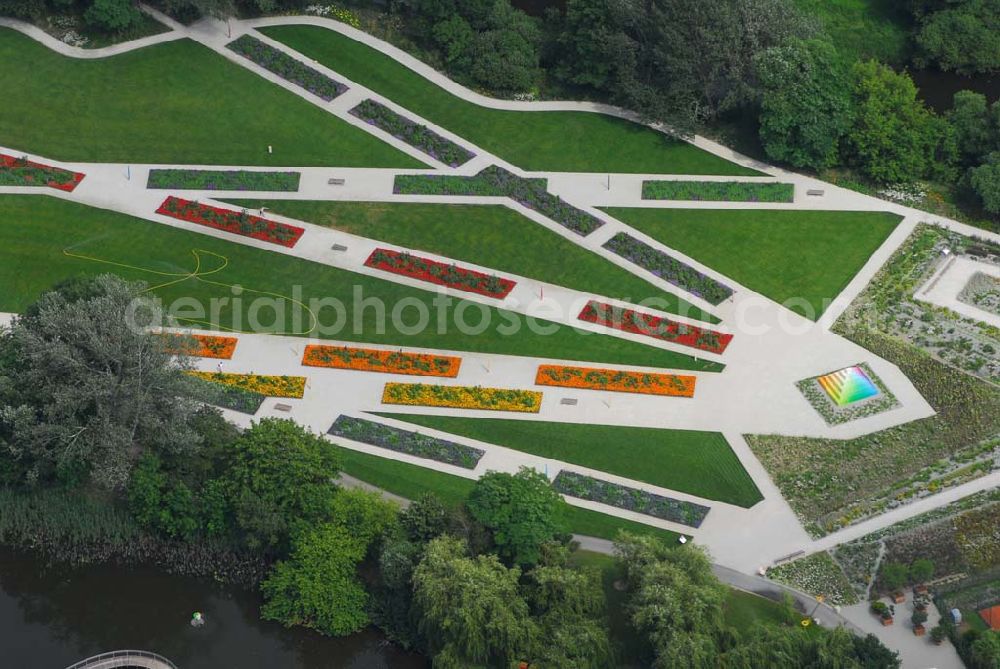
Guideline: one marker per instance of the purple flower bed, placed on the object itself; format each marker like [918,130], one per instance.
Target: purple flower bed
[286,67]
[495,181]
[414,134]
[668,268]
[405,441]
[630,499]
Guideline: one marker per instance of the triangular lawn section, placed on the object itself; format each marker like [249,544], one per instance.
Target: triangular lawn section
[35,231]
[172,103]
[698,463]
[492,236]
[800,256]
[558,141]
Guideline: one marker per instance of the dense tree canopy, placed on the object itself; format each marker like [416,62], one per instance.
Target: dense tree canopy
[85,391]
[961,35]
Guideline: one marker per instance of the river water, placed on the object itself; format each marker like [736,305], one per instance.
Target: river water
[50,618]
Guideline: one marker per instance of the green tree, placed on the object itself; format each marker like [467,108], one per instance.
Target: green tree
[972,126]
[894,136]
[519,509]
[985,181]
[964,37]
[85,392]
[569,607]
[281,479]
[425,518]
[894,575]
[805,103]
[674,599]
[318,586]
[471,610]
[112,15]
[984,651]
[921,570]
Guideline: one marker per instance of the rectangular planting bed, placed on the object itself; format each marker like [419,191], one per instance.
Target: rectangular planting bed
[406,441]
[462,397]
[377,360]
[442,274]
[591,378]
[718,191]
[237,222]
[200,346]
[668,268]
[495,181]
[631,499]
[247,180]
[23,172]
[417,135]
[636,322]
[288,68]
[269,386]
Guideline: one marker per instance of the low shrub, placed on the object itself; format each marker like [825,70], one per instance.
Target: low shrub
[415,134]
[223,180]
[718,191]
[286,67]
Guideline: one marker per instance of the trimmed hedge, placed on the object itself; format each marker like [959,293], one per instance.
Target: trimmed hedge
[405,441]
[224,180]
[495,181]
[286,67]
[631,499]
[718,191]
[415,134]
[668,268]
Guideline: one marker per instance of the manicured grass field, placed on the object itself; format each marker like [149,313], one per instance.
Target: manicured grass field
[35,230]
[171,103]
[698,463]
[411,481]
[493,236]
[553,141]
[804,257]
[863,29]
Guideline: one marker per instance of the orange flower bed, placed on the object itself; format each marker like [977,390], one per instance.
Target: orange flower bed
[200,346]
[375,360]
[592,378]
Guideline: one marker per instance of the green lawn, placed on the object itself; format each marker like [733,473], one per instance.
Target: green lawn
[176,102]
[545,141]
[863,29]
[698,463]
[493,236]
[35,230]
[803,257]
[411,481]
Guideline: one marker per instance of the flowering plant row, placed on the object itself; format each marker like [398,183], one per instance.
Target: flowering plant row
[405,441]
[226,397]
[414,134]
[286,67]
[236,222]
[668,268]
[495,181]
[443,274]
[629,320]
[462,397]
[631,499]
[270,386]
[224,180]
[375,360]
[716,191]
[200,346]
[592,378]
[23,172]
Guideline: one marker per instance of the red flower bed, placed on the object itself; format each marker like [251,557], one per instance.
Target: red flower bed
[236,222]
[22,172]
[443,274]
[629,320]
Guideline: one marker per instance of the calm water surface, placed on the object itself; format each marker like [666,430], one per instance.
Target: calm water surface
[50,618]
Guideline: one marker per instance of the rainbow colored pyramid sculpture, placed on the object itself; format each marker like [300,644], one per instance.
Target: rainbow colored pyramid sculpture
[848,385]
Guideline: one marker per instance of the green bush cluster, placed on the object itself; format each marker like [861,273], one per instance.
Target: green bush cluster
[724,191]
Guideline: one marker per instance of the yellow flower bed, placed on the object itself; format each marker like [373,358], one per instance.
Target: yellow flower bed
[462,397]
[272,386]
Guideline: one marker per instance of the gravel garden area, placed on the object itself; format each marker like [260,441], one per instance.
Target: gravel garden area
[982,291]
[818,575]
